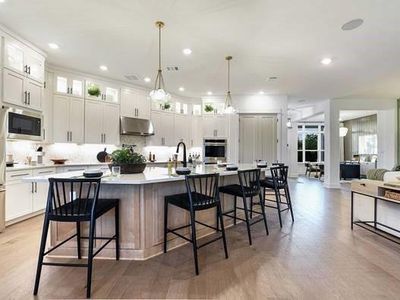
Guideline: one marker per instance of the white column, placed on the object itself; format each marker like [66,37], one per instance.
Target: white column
[332,145]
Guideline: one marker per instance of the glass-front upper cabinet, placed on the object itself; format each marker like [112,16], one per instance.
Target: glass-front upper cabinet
[67,84]
[112,94]
[13,55]
[97,90]
[196,109]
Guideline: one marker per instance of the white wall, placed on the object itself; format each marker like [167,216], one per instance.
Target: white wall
[264,104]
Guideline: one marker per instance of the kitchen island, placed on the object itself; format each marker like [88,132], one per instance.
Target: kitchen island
[141,211]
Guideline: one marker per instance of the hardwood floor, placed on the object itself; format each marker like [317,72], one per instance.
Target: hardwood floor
[317,257]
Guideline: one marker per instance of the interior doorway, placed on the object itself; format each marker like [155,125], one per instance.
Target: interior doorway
[258,138]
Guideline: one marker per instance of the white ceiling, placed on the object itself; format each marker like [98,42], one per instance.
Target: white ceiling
[285,38]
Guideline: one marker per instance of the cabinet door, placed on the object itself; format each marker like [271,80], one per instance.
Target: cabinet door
[76,87]
[76,120]
[61,84]
[93,122]
[60,119]
[196,132]
[221,126]
[40,189]
[13,55]
[182,129]
[111,94]
[13,88]
[158,139]
[169,129]
[18,199]
[143,105]
[35,93]
[111,124]
[209,126]
[128,103]
[35,65]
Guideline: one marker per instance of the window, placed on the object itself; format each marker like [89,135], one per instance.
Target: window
[310,143]
[368,144]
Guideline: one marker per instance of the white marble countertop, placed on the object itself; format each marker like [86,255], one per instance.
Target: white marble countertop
[150,175]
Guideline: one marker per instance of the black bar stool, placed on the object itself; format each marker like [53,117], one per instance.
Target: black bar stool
[277,182]
[76,200]
[248,187]
[202,193]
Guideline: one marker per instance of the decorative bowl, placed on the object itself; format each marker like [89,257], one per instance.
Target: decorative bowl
[129,168]
[58,161]
[182,171]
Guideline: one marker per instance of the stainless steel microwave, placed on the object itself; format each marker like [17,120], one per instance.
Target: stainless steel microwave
[24,125]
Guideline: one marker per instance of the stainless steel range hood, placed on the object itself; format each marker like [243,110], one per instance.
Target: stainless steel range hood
[133,126]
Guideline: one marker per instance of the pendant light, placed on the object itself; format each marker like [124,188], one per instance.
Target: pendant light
[228,100]
[159,93]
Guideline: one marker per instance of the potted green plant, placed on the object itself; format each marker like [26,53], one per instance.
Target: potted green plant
[129,161]
[94,90]
[208,108]
[166,106]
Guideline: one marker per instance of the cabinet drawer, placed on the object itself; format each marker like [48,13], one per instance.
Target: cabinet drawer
[369,187]
[17,175]
[44,171]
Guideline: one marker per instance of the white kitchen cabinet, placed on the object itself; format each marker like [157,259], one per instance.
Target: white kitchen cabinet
[40,189]
[13,88]
[182,129]
[14,55]
[196,132]
[135,104]
[21,91]
[108,92]
[215,126]
[101,123]
[68,119]
[68,84]
[47,108]
[163,128]
[18,199]
[23,60]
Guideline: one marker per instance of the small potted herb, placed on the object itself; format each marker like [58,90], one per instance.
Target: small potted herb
[129,161]
[94,90]
[166,106]
[208,108]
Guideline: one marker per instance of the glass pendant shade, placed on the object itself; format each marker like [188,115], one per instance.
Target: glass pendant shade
[159,95]
[228,100]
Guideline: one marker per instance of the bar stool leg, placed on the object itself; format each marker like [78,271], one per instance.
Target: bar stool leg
[90,257]
[41,253]
[251,207]
[78,239]
[117,247]
[246,213]
[219,212]
[278,204]
[262,201]
[165,225]
[289,201]
[234,210]
[194,241]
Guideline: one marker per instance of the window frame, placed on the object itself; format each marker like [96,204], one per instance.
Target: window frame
[320,131]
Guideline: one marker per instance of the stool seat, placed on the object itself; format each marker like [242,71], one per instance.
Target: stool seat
[81,209]
[199,201]
[236,190]
[269,183]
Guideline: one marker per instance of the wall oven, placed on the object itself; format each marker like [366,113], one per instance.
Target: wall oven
[214,150]
[24,125]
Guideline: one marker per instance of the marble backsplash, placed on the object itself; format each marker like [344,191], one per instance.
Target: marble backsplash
[86,153]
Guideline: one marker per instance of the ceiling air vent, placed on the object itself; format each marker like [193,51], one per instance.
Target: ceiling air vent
[172,69]
[131,77]
[272,78]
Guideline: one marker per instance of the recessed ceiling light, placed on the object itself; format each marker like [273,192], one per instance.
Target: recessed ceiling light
[353,24]
[2,1]
[51,45]
[181,89]
[147,79]
[103,68]
[326,61]
[209,93]
[187,51]
[261,92]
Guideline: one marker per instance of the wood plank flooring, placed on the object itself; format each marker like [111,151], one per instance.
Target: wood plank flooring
[317,257]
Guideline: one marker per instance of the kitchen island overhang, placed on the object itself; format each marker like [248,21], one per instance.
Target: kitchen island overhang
[141,212]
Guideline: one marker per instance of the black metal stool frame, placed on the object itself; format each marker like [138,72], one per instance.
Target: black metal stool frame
[249,182]
[206,185]
[279,176]
[59,209]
